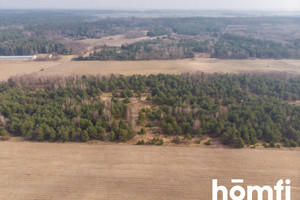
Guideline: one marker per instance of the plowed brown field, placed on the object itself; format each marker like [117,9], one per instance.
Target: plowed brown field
[90,171]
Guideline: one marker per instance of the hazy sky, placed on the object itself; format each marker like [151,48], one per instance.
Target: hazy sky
[155,4]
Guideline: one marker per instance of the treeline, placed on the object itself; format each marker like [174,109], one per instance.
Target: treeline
[241,47]
[241,109]
[158,32]
[227,47]
[68,26]
[160,49]
[213,25]
[15,42]
[83,24]
[31,46]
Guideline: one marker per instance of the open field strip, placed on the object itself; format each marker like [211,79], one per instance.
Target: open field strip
[67,67]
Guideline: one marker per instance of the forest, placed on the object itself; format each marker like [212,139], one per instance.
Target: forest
[229,46]
[156,49]
[15,42]
[240,109]
[31,32]
[241,47]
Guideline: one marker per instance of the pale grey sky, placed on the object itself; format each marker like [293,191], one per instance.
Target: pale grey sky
[288,5]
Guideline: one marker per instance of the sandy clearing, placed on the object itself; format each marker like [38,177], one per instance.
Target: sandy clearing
[67,67]
[113,41]
[116,40]
[85,171]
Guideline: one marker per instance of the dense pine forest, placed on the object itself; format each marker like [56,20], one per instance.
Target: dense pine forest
[241,47]
[16,42]
[239,109]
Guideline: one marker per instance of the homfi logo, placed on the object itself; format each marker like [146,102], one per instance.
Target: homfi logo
[238,192]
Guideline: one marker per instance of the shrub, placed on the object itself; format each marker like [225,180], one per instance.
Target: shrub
[3,131]
[240,143]
[85,136]
[208,142]
[140,142]
[188,136]
[142,131]
[161,142]
[177,140]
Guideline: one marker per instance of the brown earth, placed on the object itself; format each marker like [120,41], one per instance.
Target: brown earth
[67,67]
[30,170]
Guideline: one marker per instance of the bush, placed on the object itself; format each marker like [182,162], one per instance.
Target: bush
[161,142]
[240,143]
[149,125]
[114,94]
[154,140]
[126,100]
[208,142]
[140,142]
[112,136]
[3,131]
[148,98]
[142,131]
[265,145]
[177,140]
[188,136]
[85,136]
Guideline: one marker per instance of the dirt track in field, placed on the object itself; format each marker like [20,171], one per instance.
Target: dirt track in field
[89,171]
[67,67]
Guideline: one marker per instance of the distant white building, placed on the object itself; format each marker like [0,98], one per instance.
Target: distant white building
[18,57]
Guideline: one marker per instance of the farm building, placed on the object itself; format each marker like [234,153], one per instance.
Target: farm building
[18,57]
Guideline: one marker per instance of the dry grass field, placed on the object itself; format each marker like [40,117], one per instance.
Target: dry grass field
[67,67]
[88,171]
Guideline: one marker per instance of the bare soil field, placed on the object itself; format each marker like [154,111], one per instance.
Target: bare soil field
[67,67]
[89,171]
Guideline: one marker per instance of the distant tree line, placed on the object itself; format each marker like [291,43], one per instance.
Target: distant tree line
[31,46]
[241,47]
[240,109]
[54,25]
[160,49]
[227,47]
[158,32]
[15,42]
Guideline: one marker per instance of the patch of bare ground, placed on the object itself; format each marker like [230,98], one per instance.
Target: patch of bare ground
[113,41]
[81,171]
[297,103]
